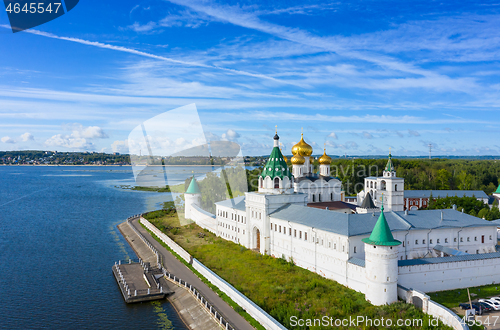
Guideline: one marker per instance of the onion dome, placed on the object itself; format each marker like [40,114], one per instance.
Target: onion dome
[325,159]
[284,157]
[302,148]
[311,160]
[298,160]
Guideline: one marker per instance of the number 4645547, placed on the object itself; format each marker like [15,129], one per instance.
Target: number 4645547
[33,8]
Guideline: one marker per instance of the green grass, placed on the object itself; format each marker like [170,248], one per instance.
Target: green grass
[452,298]
[277,286]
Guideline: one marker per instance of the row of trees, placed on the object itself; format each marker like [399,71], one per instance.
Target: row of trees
[469,205]
[421,174]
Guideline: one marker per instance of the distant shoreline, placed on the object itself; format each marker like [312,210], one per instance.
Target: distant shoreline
[110,165]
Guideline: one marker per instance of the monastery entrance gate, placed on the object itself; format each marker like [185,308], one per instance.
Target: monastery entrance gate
[256,239]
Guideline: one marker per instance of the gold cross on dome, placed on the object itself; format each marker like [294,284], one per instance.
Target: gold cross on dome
[276,129]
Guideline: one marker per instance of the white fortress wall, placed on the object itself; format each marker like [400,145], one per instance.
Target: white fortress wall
[423,301]
[451,275]
[266,320]
[203,218]
[167,240]
[356,277]
[255,311]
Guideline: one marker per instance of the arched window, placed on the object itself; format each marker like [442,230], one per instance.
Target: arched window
[395,187]
[331,196]
[276,182]
[319,197]
[371,184]
[313,198]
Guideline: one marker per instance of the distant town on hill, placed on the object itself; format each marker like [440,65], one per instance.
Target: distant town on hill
[42,157]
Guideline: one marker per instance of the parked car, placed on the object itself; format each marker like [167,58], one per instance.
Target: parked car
[495,298]
[478,308]
[486,307]
[493,303]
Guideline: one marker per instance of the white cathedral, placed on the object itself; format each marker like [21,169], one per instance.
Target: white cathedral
[372,251]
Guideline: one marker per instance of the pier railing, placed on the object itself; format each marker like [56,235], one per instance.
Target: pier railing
[155,288]
[207,305]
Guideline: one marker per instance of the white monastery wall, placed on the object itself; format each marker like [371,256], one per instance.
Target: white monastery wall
[431,307]
[418,243]
[450,275]
[203,218]
[266,320]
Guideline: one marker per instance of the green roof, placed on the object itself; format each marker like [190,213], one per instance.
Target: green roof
[381,233]
[389,167]
[276,166]
[498,190]
[193,187]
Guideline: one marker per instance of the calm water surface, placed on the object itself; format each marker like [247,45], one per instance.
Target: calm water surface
[58,241]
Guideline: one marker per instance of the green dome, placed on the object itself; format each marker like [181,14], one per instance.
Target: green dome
[276,166]
[381,234]
[193,187]
[389,167]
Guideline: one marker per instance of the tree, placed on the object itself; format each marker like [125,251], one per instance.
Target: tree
[443,179]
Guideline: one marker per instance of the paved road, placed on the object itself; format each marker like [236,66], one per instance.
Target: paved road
[178,269]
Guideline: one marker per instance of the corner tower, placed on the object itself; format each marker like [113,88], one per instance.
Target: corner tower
[192,196]
[381,264]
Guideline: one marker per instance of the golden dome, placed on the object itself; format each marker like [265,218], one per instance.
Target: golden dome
[284,157]
[311,160]
[298,160]
[302,148]
[325,159]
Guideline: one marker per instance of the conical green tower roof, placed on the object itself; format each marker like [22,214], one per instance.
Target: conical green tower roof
[193,187]
[498,190]
[389,167]
[276,166]
[381,233]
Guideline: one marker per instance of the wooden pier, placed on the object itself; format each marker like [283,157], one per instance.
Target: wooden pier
[138,282]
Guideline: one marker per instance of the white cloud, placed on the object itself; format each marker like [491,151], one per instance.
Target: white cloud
[91,132]
[7,139]
[120,146]
[230,135]
[80,138]
[333,135]
[67,141]
[27,137]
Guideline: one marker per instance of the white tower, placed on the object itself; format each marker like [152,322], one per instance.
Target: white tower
[381,264]
[391,188]
[192,196]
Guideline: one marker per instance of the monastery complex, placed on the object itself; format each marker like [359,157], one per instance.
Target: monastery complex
[380,243]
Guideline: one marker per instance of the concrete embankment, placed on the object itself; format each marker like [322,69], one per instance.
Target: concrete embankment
[190,311]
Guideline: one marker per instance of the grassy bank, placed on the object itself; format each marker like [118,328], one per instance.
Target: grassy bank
[278,286]
[176,189]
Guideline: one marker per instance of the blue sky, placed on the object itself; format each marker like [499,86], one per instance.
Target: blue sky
[358,76]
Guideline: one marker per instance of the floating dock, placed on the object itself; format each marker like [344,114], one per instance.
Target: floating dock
[139,283]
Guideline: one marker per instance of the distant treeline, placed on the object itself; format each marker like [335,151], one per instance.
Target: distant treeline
[421,174]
